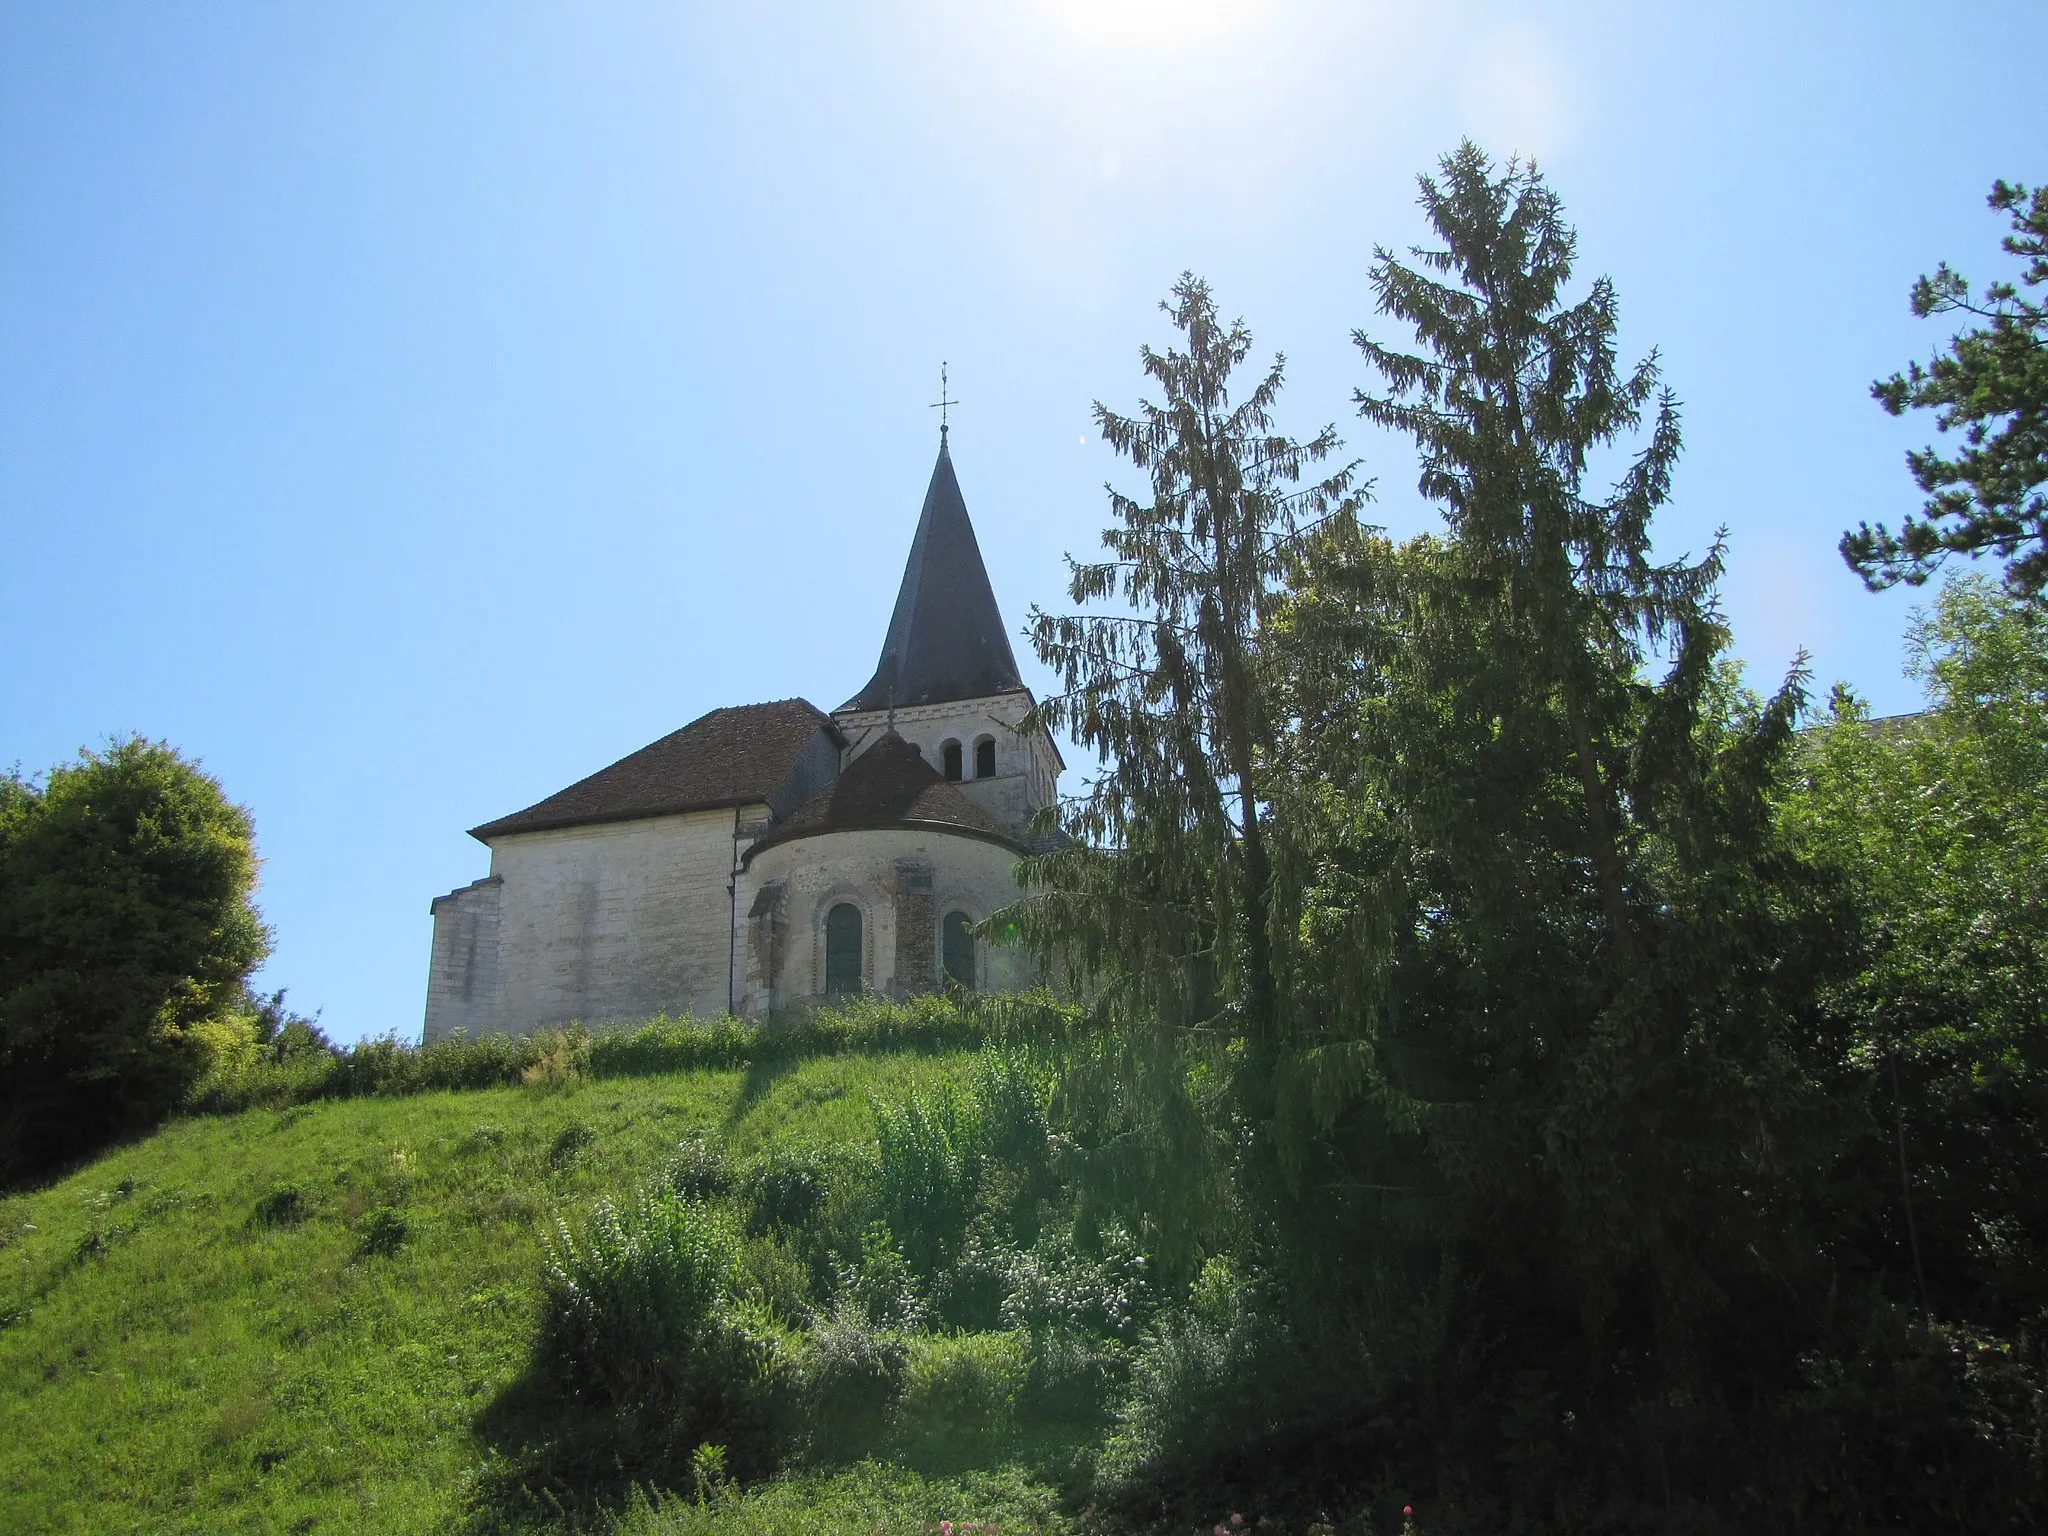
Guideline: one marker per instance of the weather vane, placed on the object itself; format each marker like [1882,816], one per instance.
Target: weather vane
[943,401]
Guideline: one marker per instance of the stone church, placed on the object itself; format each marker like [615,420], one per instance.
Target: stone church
[769,856]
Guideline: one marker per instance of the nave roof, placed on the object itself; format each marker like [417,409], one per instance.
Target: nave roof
[732,756]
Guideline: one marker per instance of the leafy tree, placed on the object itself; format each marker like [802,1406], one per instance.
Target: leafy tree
[1992,384]
[1940,823]
[125,926]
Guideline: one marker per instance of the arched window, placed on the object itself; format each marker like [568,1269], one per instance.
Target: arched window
[985,758]
[843,948]
[949,754]
[956,937]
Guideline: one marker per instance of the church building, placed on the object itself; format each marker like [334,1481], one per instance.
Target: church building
[770,856]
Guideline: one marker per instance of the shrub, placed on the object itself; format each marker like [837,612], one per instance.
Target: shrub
[928,1165]
[629,1303]
[882,1285]
[1012,1091]
[852,1377]
[784,1192]
[393,1066]
[568,1144]
[963,1383]
[1107,1293]
[773,1279]
[1200,1386]
[281,1207]
[384,1232]
[1082,1313]
[698,1170]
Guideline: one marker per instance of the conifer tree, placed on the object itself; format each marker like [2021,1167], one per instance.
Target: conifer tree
[1991,384]
[1164,899]
[1520,763]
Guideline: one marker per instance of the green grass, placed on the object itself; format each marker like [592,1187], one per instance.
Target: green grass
[290,1320]
[871,1499]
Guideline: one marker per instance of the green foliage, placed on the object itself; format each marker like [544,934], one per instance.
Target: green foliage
[629,1301]
[1544,1099]
[1991,382]
[1939,824]
[126,927]
[958,1386]
[853,1375]
[391,1066]
[1203,1387]
[1168,693]
[283,1206]
[928,1156]
[384,1232]
[1595,966]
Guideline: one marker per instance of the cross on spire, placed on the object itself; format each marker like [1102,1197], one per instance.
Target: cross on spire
[943,401]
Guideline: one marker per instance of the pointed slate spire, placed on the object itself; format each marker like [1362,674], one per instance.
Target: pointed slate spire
[946,638]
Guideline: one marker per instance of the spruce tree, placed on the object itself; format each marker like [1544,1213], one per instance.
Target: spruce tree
[1530,815]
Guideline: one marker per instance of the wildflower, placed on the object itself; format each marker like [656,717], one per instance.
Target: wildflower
[1237,1519]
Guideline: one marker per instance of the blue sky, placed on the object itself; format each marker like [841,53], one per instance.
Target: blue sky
[409,408]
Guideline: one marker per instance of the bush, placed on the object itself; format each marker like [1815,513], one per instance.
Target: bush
[882,1285]
[1082,1313]
[281,1207]
[126,928]
[630,1303]
[962,1384]
[852,1377]
[1201,1386]
[568,1145]
[392,1066]
[384,1232]
[784,1192]
[698,1171]
[928,1166]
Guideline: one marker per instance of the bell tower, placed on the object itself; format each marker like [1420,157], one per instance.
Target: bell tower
[947,681]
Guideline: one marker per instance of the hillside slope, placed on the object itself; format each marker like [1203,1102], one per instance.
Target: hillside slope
[292,1320]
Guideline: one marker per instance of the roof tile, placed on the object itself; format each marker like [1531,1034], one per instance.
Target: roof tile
[889,785]
[732,756]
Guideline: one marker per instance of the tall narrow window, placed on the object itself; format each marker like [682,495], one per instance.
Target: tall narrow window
[842,948]
[950,755]
[985,758]
[956,936]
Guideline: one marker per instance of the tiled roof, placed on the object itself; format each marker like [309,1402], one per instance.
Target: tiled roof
[946,638]
[729,757]
[889,785]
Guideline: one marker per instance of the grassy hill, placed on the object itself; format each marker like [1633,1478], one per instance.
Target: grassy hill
[313,1318]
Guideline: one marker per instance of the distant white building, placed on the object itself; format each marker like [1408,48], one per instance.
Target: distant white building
[769,856]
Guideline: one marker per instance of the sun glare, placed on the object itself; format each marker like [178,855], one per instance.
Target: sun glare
[1155,23]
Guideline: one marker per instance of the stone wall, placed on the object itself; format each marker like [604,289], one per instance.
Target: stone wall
[462,977]
[786,890]
[606,924]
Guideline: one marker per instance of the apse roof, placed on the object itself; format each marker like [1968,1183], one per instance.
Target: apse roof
[946,638]
[889,785]
[732,756]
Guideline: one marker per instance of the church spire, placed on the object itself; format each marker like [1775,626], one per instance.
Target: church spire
[946,637]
